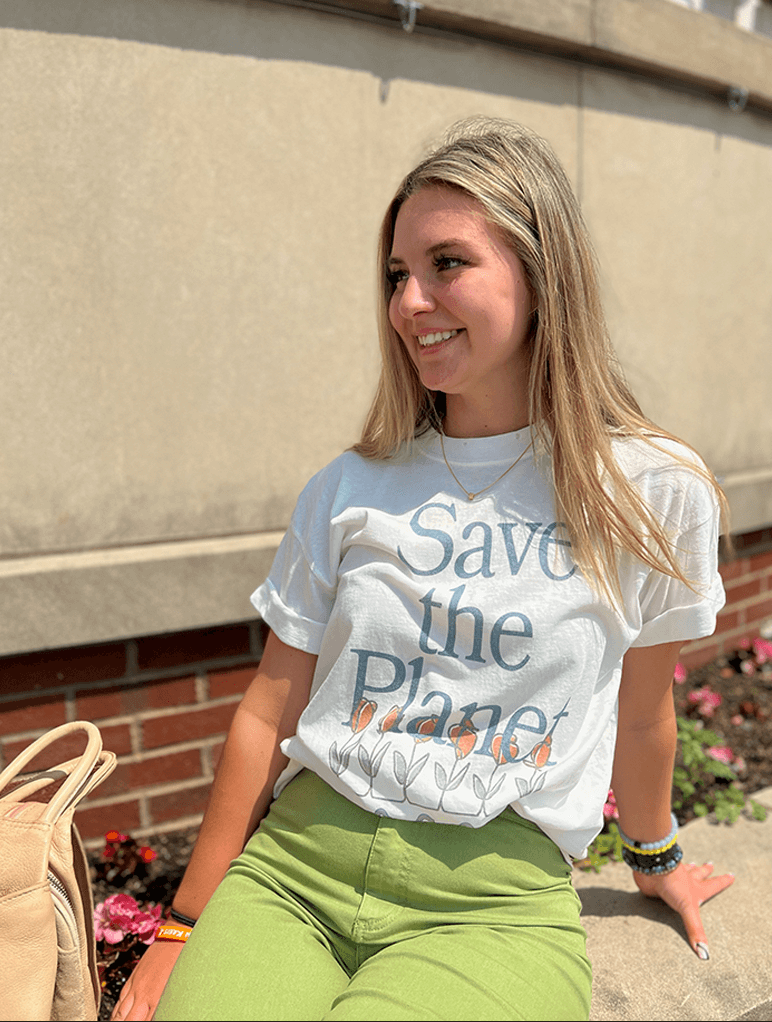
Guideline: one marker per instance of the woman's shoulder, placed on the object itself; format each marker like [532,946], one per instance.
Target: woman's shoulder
[672,479]
[653,455]
[352,477]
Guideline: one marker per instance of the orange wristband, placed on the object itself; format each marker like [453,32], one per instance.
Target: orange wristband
[172,931]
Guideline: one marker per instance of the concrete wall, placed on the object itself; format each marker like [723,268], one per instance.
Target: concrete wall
[190,195]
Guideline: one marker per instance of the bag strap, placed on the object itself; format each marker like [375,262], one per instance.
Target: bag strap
[80,773]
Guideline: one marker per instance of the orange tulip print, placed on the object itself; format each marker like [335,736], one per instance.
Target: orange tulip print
[504,755]
[362,715]
[463,736]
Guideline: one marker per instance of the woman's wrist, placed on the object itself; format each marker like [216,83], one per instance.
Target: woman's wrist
[653,857]
[182,918]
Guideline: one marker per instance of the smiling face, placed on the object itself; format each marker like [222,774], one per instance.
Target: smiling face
[462,307]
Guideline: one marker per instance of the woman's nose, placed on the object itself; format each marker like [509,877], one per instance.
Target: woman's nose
[415,297]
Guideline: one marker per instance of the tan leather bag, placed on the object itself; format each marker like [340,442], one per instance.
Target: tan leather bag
[47,947]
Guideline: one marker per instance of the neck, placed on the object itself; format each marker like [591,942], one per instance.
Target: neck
[468,419]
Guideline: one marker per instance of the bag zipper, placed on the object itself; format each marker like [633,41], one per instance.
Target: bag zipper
[63,906]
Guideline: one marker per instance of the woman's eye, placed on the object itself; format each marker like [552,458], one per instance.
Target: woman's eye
[448,262]
[396,277]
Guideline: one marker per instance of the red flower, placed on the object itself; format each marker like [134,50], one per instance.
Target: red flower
[362,715]
[147,854]
[504,755]
[426,728]
[391,719]
[463,736]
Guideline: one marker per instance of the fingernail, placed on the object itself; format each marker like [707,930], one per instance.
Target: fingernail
[702,951]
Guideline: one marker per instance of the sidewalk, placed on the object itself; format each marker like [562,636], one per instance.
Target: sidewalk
[643,967]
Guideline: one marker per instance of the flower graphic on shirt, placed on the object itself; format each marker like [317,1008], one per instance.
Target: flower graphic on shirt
[370,762]
[391,720]
[362,715]
[540,754]
[504,753]
[425,728]
[463,736]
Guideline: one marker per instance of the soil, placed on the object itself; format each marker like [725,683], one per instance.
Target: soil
[742,720]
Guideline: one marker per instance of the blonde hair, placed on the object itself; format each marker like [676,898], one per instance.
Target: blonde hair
[578,397]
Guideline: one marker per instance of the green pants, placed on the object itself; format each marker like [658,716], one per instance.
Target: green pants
[332,912]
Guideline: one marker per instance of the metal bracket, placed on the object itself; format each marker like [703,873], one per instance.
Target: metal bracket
[408,9]
[737,97]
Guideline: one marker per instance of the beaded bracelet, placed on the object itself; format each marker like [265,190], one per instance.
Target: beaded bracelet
[655,857]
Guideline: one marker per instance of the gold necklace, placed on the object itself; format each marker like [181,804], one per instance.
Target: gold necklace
[469,494]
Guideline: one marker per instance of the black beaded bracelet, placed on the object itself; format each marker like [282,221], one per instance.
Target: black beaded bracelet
[178,917]
[664,861]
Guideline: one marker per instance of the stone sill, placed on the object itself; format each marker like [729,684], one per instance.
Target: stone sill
[656,38]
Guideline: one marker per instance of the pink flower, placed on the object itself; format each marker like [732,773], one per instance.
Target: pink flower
[762,649]
[744,644]
[680,674]
[120,915]
[610,811]
[737,719]
[706,700]
[721,752]
[748,667]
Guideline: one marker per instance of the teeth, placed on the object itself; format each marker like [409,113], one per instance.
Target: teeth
[442,335]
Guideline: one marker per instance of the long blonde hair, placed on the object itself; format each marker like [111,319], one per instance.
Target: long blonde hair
[578,397]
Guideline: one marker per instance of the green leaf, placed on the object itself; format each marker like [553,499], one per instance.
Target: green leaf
[758,811]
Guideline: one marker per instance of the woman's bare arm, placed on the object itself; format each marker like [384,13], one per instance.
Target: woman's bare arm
[642,780]
[241,793]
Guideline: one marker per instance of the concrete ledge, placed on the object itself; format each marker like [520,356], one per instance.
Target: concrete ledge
[96,596]
[643,967]
[655,37]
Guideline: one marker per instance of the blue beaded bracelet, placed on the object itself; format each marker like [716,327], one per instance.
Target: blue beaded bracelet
[651,846]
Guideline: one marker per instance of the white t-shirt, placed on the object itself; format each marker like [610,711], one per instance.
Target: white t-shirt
[464,663]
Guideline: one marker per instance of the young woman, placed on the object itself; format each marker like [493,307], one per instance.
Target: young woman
[475,614]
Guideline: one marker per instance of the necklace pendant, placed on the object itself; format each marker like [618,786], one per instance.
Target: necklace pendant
[471,496]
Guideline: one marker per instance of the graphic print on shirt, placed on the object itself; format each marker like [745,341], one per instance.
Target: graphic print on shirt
[475,746]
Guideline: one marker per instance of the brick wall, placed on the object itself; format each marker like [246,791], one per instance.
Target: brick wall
[748,582]
[164,703]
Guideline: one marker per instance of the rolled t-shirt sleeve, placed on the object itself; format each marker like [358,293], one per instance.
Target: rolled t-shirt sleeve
[686,505]
[296,599]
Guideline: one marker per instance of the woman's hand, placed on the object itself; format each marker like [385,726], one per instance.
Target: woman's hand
[142,990]
[643,765]
[684,890]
